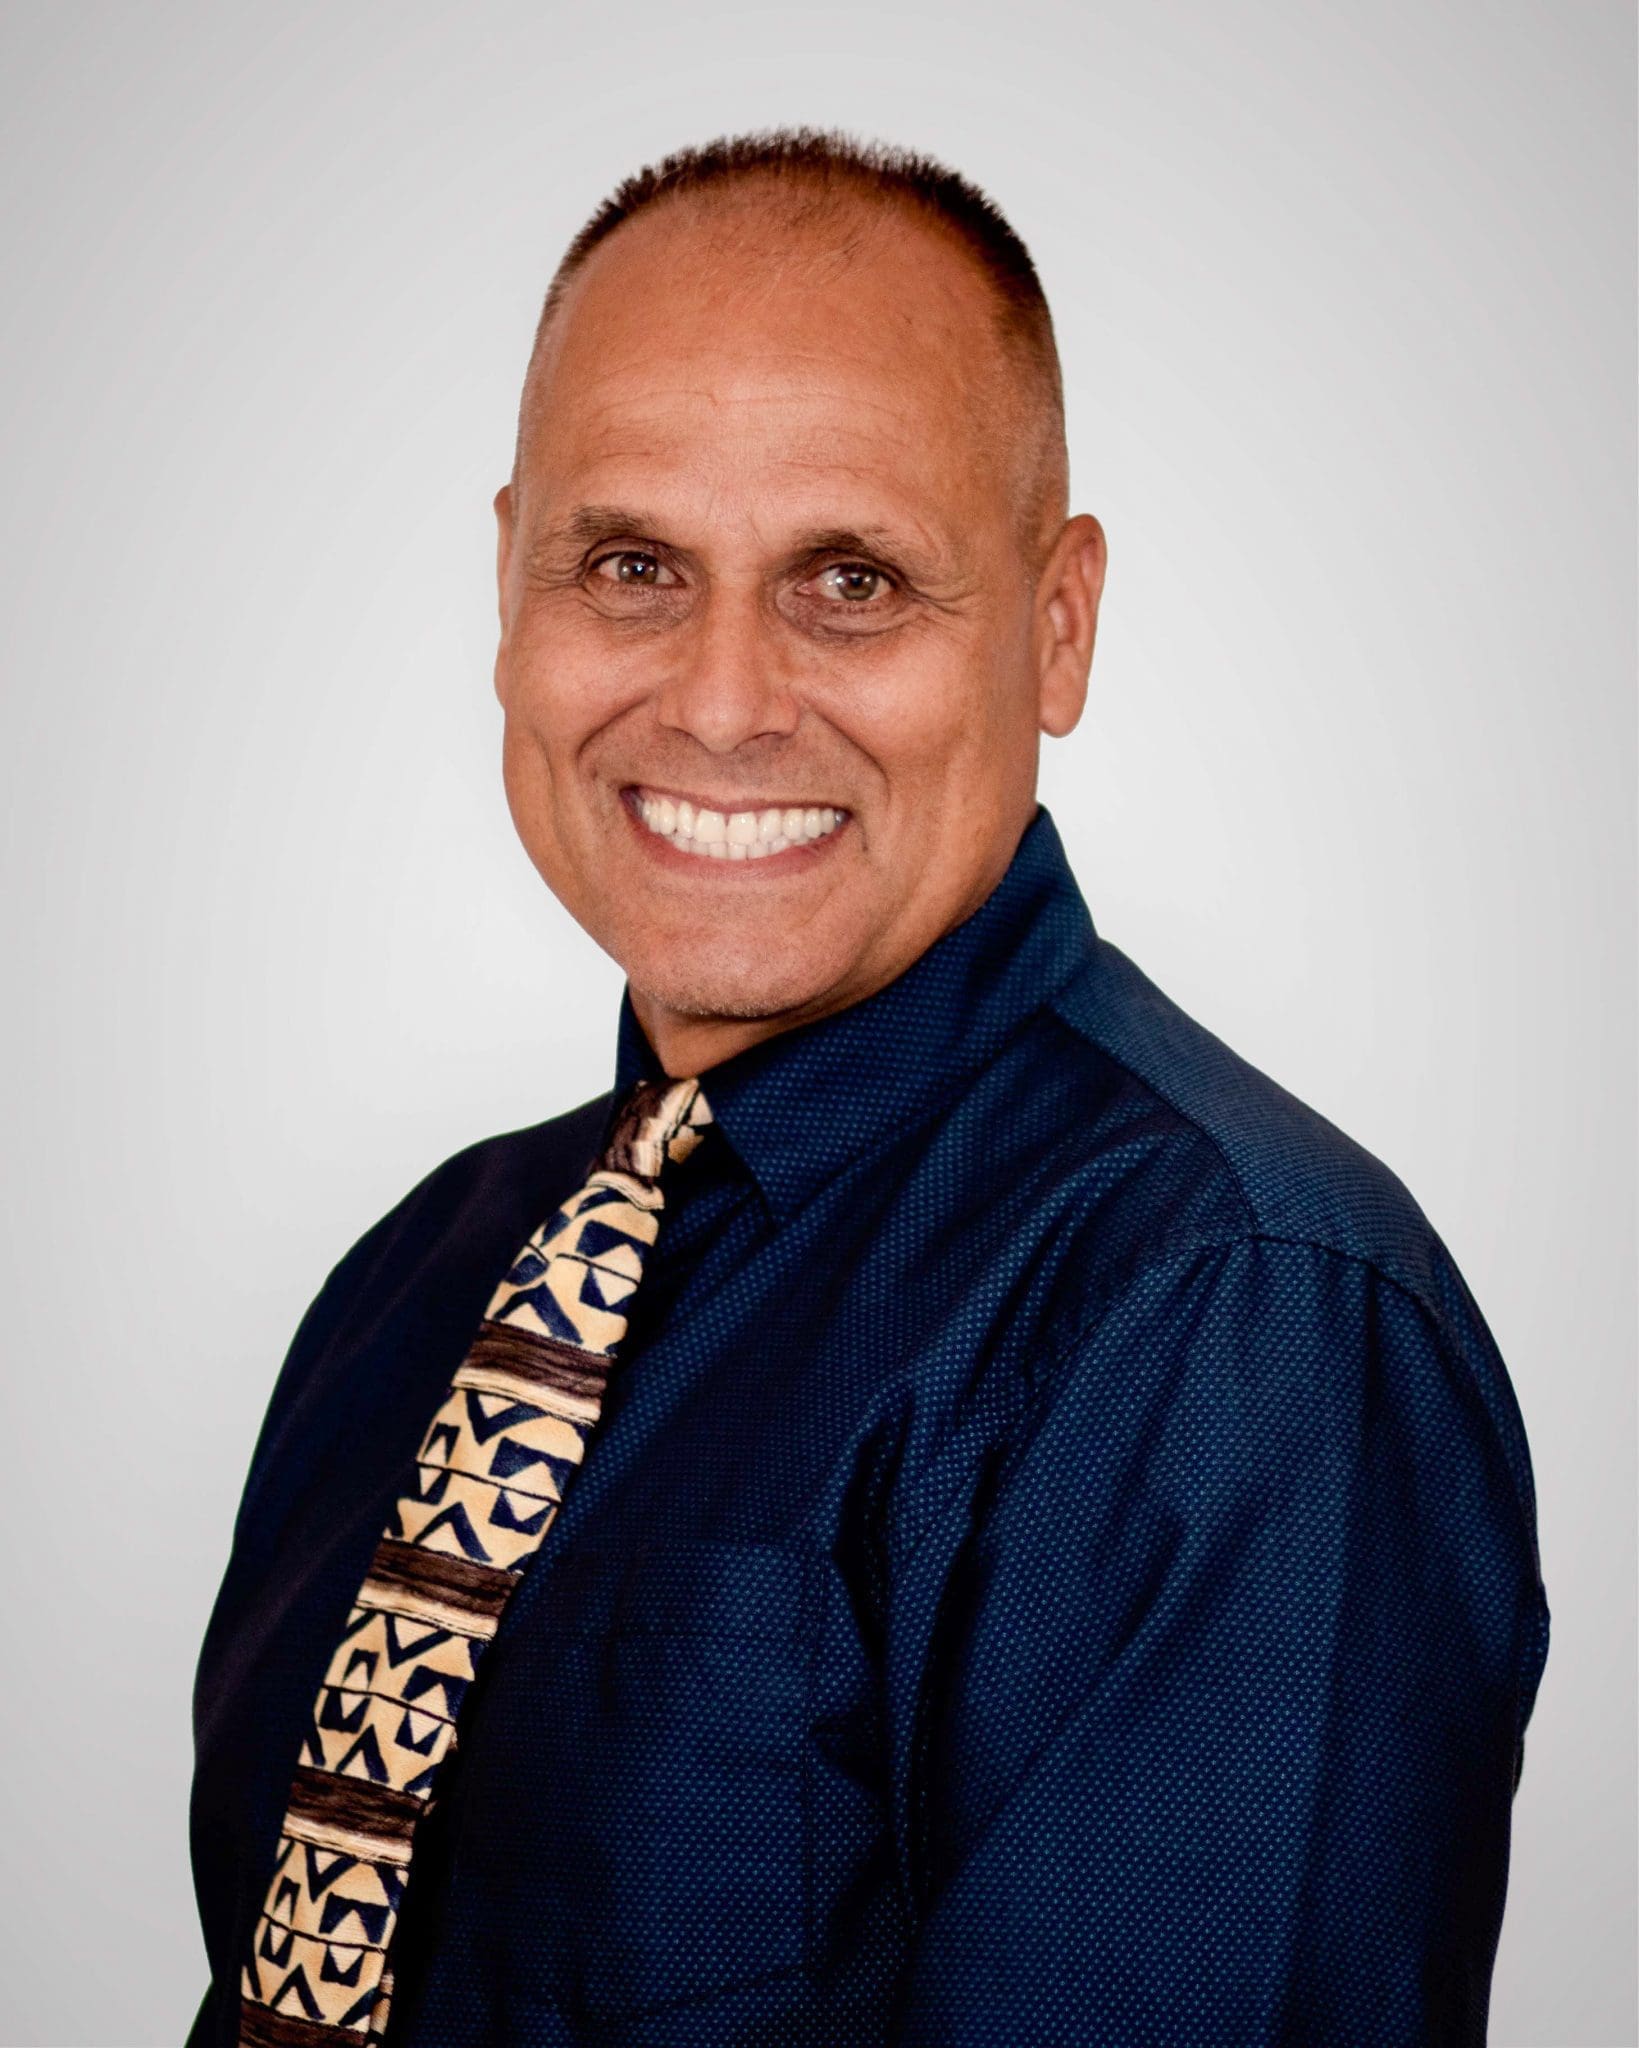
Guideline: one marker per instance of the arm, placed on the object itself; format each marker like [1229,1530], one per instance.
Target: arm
[1224,1718]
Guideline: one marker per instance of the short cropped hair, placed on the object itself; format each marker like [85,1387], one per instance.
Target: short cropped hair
[832,165]
[837,162]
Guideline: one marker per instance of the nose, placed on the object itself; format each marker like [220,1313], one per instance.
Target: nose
[725,680]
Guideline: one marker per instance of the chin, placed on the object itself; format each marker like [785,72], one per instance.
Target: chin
[744,990]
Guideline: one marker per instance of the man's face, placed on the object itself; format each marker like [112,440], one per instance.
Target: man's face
[774,653]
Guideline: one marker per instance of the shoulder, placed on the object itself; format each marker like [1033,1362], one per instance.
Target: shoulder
[509,1167]
[1289,1172]
[512,1171]
[439,1244]
[1316,1250]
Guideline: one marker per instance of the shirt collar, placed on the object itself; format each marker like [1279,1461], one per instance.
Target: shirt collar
[797,1107]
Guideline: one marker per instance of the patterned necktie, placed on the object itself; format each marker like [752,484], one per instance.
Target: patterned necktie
[490,1474]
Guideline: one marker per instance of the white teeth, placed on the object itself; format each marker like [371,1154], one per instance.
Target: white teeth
[736,835]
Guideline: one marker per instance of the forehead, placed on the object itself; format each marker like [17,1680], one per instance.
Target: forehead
[749,339]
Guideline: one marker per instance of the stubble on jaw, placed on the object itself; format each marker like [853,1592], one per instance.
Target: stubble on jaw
[704,979]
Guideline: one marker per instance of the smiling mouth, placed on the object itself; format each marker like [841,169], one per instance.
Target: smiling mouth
[751,834]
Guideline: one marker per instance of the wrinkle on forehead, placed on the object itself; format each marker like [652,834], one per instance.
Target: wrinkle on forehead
[611,401]
[739,309]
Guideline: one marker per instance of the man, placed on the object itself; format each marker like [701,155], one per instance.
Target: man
[946,1509]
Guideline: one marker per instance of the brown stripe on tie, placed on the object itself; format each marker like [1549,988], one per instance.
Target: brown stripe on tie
[620,1154]
[539,1361]
[458,1583]
[261,2027]
[320,1798]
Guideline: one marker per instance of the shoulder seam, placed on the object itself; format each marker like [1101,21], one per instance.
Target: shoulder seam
[1160,1095]
[1256,1234]
[1509,1439]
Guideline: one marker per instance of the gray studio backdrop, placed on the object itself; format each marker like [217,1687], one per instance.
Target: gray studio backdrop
[1345,296]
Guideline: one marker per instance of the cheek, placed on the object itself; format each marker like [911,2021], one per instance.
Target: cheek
[561,680]
[548,713]
[937,718]
[526,776]
[553,705]
[530,730]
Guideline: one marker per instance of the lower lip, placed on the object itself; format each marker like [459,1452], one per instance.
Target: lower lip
[792,861]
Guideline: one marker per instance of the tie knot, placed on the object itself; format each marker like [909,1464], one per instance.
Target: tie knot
[659,1122]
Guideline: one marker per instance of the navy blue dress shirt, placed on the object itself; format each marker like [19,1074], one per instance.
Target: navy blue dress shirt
[1057,1566]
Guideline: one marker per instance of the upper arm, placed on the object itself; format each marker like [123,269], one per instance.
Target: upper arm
[1223,1726]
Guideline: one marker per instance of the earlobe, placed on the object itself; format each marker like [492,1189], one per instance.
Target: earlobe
[1063,697]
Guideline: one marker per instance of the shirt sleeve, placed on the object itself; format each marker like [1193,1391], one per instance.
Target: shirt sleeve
[1224,1712]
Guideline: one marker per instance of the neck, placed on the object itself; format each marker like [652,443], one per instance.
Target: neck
[688,1043]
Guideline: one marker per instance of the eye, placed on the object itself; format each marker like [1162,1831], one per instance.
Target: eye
[853,582]
[633,568]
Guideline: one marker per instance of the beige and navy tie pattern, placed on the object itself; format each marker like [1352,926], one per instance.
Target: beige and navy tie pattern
[490,1474]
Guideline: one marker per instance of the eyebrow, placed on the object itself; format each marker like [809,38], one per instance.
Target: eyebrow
[845,540]
[595,522]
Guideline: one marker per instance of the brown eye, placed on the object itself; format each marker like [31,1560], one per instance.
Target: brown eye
[633,568]
[853,582]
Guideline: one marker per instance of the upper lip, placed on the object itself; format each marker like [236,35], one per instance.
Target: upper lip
[729,805]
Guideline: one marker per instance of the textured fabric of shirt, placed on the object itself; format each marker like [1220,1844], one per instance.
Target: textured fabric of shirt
[1058,1566]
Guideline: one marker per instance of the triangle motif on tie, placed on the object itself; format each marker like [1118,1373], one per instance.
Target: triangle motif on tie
[489,1477]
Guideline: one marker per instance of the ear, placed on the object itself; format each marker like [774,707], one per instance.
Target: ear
[503,560]
[1067,597]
